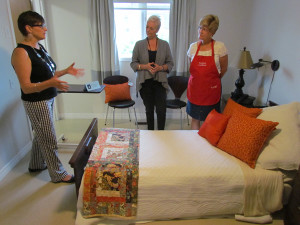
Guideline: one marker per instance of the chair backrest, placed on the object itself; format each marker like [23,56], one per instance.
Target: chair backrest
[115,79]
[178,84]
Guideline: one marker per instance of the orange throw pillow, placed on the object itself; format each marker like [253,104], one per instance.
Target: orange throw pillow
[117,92]
[213,127]
[232,106]
[244,137]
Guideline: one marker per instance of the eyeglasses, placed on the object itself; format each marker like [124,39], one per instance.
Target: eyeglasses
[203,28]
[39,25]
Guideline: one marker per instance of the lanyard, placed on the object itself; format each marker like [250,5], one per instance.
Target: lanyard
[49,63]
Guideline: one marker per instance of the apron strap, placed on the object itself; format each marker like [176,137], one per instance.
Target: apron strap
[212,49]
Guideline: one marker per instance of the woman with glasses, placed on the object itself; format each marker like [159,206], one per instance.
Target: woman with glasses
[209,62]
[152,60]
[39,81]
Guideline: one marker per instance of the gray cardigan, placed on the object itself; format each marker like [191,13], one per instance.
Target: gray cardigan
[140,56]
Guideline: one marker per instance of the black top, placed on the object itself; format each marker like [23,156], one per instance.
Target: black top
[41,71]
[152,56]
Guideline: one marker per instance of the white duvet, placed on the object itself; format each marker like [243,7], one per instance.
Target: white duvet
[182,176]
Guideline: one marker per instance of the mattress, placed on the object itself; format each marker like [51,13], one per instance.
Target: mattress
[182,176]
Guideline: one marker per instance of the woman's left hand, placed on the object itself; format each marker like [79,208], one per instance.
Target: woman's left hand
[74,71]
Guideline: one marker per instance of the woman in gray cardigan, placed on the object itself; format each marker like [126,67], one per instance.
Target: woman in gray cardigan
[152,60]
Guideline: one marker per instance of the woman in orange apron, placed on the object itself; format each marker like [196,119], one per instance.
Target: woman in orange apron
[209,62]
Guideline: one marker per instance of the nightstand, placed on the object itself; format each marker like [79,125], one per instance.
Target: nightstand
[292,211]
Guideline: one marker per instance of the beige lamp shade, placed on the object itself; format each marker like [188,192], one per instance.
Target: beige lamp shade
[245,61]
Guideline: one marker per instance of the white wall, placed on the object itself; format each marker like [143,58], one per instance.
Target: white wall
[67,23]
[15,134]
[274,34]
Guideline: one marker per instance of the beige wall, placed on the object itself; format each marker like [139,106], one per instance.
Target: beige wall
[17,7]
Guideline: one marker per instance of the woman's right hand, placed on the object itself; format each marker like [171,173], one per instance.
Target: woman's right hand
[59,84]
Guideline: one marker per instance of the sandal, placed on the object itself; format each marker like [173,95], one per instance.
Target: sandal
[36,170]
[71,180]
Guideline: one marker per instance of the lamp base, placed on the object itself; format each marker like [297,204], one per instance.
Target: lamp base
[239,84]
[237,94]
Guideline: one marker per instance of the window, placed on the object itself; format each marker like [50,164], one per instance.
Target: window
[131,19]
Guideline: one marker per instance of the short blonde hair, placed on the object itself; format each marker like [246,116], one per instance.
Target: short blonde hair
[156,20]
[211,22]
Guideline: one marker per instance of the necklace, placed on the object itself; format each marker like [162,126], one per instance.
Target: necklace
[50,64]
[149,43]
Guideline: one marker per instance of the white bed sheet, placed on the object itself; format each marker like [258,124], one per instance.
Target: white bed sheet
[182,176]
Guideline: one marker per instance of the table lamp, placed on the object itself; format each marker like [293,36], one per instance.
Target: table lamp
[245,62]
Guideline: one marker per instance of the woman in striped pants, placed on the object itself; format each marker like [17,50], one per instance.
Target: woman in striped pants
[39,81]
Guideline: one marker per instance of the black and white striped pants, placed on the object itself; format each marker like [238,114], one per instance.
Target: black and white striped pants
[44,146]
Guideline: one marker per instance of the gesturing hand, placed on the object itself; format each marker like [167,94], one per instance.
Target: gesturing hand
[59,84]
[77,72]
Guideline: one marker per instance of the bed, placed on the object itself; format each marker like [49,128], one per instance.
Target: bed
[182,175]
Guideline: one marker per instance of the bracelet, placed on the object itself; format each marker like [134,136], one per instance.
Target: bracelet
[162,68]
[139,67]
[36,86]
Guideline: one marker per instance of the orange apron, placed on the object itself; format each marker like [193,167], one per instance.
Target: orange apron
[204,87]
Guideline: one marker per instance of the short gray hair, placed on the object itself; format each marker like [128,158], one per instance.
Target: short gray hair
[155,19]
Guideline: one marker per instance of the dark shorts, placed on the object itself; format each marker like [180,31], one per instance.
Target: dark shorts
[200,112]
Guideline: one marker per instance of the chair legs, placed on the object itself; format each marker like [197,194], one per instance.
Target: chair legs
[136,123]
[114,117]
[181,118]
[129,115]
[187,118]
[106,115]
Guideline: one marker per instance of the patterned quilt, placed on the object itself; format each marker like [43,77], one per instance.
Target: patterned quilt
[111,175]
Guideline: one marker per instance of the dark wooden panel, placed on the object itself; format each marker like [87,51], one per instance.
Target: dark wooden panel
[82,153]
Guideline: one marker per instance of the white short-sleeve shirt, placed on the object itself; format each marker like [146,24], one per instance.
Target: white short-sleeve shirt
[219,48]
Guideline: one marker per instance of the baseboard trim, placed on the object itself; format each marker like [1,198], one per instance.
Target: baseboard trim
[15,160]
[175,114]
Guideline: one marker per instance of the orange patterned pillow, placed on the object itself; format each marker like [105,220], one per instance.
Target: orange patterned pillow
[117,92]
[244,137]
[213,127]
[232,106]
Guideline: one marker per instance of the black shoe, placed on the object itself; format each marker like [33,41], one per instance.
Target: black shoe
[36,170]
[71,180]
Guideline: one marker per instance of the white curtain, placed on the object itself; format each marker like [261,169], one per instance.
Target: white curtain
[183,31]
[105,60]
[38,6]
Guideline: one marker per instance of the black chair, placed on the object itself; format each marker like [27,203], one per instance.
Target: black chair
[178,85]
[119,79]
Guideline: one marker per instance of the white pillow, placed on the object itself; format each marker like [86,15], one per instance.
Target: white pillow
[282,150]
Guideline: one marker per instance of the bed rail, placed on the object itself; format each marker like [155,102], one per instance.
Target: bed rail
[81,155]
